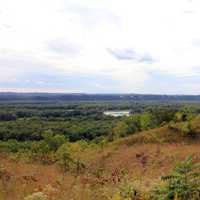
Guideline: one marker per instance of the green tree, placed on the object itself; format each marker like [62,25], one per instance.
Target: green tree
[53,141]
[146,121]
[64,156]
[133,122]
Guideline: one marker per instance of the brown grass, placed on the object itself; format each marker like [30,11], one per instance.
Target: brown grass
[144,157]
[144,163]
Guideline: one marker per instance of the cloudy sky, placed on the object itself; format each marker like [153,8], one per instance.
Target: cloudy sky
[100,46]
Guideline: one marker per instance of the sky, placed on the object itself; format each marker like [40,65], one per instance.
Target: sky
[100,46]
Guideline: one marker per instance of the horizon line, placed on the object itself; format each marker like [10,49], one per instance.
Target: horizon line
[91,93]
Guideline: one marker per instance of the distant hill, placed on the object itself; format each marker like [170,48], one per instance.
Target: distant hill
[11,96]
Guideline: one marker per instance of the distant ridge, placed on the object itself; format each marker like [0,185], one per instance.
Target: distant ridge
[12,96]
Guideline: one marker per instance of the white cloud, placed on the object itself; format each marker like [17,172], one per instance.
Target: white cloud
[74,37]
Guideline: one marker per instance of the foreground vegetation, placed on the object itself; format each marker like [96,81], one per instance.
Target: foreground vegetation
[74,151]
[142,171]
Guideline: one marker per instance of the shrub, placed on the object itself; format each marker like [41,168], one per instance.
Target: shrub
[186,129]
[179,117]
[121,130]
[127,192]
[172,125]
[183,183]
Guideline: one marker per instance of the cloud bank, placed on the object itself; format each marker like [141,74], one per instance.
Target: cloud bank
[102,46]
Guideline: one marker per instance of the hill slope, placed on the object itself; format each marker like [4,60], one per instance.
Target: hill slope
[141,158]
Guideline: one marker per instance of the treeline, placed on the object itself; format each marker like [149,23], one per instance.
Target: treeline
[13,111]
[9,116]
[41,97]
[79,128]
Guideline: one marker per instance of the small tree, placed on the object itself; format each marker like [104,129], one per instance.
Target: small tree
[69,156]
[76,150]
[64,157]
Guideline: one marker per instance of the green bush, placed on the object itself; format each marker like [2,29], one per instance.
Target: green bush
[183,183]
[186,129]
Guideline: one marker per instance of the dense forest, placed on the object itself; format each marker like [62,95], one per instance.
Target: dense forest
[84,120]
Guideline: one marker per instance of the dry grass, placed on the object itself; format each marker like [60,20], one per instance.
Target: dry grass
[144,163]
[158,135]
[144,157]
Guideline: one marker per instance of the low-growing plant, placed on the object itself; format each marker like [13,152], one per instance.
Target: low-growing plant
[36,196]
[126,191]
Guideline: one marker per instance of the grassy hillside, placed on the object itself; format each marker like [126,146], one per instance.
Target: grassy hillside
[179,132]
[129,165]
